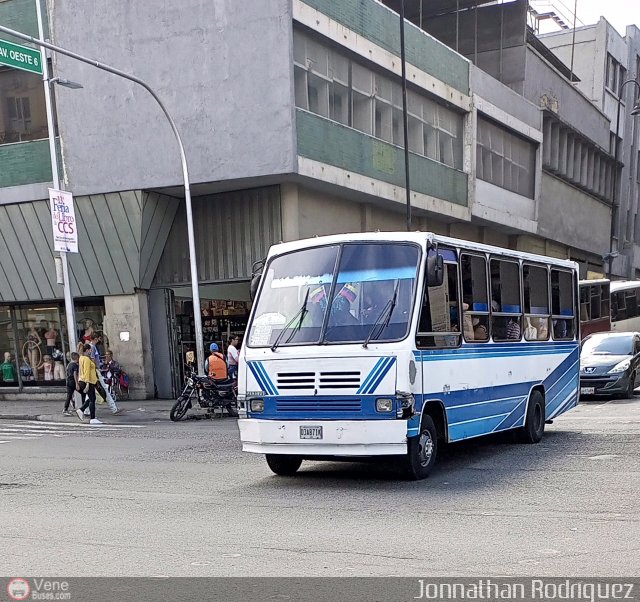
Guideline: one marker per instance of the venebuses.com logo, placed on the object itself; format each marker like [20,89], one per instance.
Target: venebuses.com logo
[18,589]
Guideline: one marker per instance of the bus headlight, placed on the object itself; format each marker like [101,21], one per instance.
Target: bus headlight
[384,404]
[257,405]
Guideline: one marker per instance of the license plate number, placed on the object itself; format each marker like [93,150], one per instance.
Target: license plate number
[310,432]
[587,390]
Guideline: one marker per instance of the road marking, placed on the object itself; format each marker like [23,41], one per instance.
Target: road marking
[28,430]
[80,424]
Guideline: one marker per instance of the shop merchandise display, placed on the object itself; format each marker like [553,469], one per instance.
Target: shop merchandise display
[51,336]
[8,369]
[31,350]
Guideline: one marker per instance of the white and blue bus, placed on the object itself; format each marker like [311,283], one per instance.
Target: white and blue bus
[389,344]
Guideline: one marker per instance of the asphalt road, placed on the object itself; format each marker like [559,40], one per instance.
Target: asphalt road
[182,500]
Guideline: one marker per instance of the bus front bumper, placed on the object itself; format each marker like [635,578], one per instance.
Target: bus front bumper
[338,437]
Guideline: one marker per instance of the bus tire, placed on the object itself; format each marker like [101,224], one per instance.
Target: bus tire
[283,465]
[422,451]
[533,428]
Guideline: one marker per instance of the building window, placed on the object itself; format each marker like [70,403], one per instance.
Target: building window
[505,159]
[22,108]
[331,84]
[615,76]
[570,157]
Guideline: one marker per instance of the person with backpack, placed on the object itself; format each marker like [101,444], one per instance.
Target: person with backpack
[215,365]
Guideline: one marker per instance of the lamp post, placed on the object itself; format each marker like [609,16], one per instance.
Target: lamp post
[405,119]
[614,204]
[197,318]
[55,173]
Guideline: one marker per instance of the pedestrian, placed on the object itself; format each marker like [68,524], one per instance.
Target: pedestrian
[232,357]
[101,386]
[73,368]
[87,379]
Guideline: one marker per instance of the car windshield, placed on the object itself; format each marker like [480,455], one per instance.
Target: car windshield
[336,294]
[608,345]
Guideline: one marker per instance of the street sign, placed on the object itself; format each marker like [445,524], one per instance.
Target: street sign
[63,221]
[20,57]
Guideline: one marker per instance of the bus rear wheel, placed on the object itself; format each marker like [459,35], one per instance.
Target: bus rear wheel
[422,451]
[283,465]
[533,428]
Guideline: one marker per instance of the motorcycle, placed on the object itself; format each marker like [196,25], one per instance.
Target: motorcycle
[208,393]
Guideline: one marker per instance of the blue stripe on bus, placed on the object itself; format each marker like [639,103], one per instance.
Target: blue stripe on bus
[385,369]
[264,382]
[271,388]
[365,385]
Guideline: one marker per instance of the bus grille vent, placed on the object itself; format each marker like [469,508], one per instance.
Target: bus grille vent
[339,380]
[309,381]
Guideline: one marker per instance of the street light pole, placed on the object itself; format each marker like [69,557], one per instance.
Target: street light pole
[185,173]
[614,203]
[405,119]
[68,297]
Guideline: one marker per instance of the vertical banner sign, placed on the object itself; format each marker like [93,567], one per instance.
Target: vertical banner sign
[63,221]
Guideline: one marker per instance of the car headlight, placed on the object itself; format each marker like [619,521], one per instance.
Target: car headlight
[384,404]
[257,405]
[621,367]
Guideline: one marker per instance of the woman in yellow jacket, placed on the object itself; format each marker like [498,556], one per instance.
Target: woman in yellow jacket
[87,379]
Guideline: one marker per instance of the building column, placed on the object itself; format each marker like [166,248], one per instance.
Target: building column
[290,212]
[127,327]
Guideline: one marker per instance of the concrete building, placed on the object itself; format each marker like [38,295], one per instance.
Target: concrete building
[291,113]
[603,60]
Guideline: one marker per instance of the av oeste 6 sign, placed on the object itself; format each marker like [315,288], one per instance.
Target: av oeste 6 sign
[20,57]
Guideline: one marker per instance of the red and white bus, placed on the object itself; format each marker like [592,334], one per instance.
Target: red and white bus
[595,306]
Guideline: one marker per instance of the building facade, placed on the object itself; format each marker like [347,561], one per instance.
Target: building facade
[603,61]
[291,112]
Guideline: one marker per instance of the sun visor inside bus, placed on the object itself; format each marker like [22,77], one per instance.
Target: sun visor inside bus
[447,254]
[511,309]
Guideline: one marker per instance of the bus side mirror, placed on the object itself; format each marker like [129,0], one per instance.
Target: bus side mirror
[253,287]
[435,270]
[256,274]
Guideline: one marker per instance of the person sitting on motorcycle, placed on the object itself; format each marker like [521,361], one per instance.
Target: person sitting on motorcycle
[215,365]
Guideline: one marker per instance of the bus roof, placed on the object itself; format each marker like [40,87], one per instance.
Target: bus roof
[420,238]
[623,285]
[595,281]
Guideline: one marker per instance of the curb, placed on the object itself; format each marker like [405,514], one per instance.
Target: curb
[55,418]
[20,416]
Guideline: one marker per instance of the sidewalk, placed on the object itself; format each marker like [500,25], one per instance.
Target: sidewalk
[51,411]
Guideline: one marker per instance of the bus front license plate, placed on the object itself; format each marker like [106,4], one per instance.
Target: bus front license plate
[587,390]
[310,432]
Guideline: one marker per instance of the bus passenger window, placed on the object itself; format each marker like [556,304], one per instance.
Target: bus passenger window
[535,280]
[440,319]
[475,298]
[506,308]
[562,305]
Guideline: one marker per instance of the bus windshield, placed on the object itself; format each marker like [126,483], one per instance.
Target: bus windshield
[347,293]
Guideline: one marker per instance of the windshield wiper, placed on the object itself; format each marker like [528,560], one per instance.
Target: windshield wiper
[301,313]
[385,315]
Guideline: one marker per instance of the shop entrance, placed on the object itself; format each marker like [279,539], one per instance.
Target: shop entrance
[224,309]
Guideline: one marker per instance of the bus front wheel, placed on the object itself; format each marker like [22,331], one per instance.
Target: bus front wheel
[534,423]
[422,451]
[283,465]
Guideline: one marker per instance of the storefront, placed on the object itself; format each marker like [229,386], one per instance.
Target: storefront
[33,341]
[224,311]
